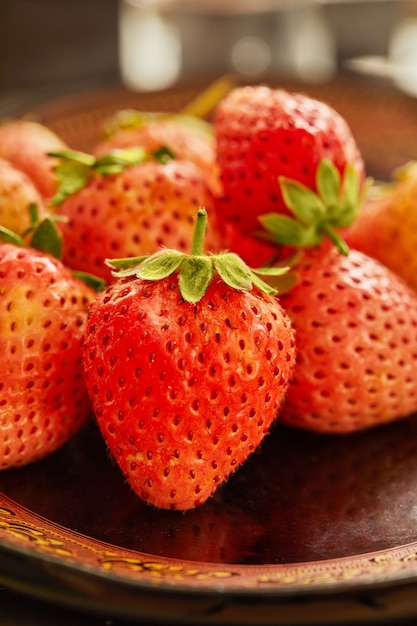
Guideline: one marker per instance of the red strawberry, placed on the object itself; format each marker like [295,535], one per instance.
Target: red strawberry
[26,145]
[188,138]
[186,363]
[356,329]
[386,227]
[186,134]
[17,194]
[263,134]
[131,212]
[252,250]
[43,396]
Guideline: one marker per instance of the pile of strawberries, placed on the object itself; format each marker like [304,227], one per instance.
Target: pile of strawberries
[188,285]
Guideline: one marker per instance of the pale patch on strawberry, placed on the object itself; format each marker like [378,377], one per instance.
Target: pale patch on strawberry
[17,194]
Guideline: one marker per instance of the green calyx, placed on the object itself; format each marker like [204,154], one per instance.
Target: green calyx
[44,236]
[316,215]
[196,270]
[76,168]
[42,233]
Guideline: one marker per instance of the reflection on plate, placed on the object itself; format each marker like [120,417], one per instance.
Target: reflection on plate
[310,526]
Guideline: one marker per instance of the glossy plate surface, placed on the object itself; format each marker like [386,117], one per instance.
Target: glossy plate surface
[310,526]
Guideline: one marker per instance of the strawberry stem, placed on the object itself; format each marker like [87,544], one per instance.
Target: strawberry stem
[196,270]
[203,104]
[337,240]
[197,246]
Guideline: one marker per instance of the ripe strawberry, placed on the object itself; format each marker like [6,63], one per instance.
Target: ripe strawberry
[43,396]
[263,134]
[186,134]
[356,329]
[254,251]
[187,361]
[386,227]
[26,145]
[189,138]
[17,194]
[132,211]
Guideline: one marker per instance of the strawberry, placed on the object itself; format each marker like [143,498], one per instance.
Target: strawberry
[386,227]
[26,145]
[186,134]
[127,208]
[252,250]
[17,194]
[43,397]
[263,134]
[189,138]
[356,329]
[187,359]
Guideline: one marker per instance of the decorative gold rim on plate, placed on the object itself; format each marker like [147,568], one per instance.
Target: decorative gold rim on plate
[22,530]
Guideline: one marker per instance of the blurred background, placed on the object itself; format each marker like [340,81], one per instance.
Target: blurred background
[55,46]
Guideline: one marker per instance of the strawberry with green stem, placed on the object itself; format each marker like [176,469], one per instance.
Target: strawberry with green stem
[187,359]
[314,215]
[128,203]
[355,323]
[189,138]
[263,134]
[186,133]
[43,310]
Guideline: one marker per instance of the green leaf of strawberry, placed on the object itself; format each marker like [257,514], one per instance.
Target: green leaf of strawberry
[288,231]
[196,270]
[196,274]
[8,236]
[159,265]
[73,172]
[306,205]
[46,238]
[76,168]
[317,215]
[96,283]
[183,393]
[328,183]
[233,271]
[44,235]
